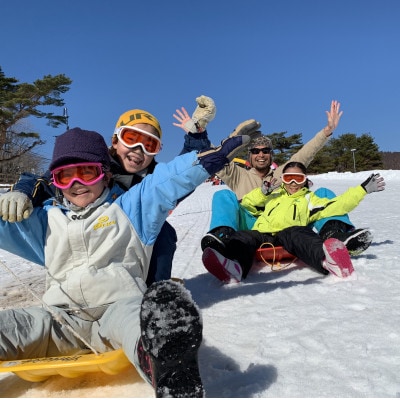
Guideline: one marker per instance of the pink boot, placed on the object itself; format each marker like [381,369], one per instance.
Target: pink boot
[223,268]
[337,258]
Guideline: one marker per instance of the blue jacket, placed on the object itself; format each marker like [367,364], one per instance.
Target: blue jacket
[100,254]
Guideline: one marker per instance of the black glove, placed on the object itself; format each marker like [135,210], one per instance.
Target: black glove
[374,183]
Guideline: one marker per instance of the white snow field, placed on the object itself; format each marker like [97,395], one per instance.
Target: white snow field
[292,333]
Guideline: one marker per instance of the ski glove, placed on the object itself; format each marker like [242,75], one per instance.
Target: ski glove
[268,187]
[190,126]
[204,112]
[249,127]
[214,159]
[374,183]
[15,206]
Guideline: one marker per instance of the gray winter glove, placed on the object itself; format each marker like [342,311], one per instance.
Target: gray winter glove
[268,187]
[15,206]
[249,127]
[374,183]
[204,112]
[190,126]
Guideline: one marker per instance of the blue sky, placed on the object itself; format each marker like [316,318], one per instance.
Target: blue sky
[278,61]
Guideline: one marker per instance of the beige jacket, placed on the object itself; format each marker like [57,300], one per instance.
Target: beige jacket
[242,181]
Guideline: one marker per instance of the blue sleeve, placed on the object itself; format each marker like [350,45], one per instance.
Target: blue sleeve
[37,188]
[195,142]
[147,204]
[26,238]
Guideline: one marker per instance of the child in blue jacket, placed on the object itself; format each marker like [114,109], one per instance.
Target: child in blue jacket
[132,158]
[96,243]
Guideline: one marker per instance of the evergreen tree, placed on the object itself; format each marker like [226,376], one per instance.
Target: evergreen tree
[337,155]
[22,100]
[285,147]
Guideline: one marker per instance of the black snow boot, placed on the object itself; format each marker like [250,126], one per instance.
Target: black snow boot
[355,240]
[217,238]
[171,330]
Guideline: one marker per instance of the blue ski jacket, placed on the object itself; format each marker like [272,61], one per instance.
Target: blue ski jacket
[100,254]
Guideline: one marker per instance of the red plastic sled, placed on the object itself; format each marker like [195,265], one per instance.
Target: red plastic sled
[273,254]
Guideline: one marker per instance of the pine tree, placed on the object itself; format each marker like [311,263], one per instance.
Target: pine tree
[347,153]
[22,100]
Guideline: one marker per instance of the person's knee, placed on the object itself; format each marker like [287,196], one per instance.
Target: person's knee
[224,195]
[325,192]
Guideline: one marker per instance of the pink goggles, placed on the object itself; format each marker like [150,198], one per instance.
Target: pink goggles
[86,173]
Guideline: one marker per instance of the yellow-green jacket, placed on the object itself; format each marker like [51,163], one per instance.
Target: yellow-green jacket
[283,210]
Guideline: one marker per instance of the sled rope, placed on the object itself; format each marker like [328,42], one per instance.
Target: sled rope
[274,266]
[57,316]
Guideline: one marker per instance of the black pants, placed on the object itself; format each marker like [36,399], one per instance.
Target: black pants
[301,241]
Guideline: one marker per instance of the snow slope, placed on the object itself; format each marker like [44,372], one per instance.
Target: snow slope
[292,333]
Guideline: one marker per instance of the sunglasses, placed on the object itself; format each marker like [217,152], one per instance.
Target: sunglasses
[131,137]
[86,173]
[295,177]
[264,150]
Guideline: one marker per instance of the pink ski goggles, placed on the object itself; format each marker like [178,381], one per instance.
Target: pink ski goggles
[86,173]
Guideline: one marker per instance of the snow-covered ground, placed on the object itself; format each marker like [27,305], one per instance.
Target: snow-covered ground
[292,333]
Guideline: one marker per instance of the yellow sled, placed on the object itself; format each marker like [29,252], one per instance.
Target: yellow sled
[39,369]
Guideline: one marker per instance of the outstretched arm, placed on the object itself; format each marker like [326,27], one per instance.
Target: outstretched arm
[307,153]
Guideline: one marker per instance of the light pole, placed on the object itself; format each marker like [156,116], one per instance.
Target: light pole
[66,116]
[354,159]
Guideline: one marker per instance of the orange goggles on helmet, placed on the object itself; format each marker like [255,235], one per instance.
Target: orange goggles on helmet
[86,173]
[294,177]
[131,137]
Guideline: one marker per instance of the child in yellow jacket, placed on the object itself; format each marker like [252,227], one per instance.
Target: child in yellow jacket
[287,210]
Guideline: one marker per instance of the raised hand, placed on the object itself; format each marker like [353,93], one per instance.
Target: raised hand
[249,127]
[333,117]
[185,122]
[374,183]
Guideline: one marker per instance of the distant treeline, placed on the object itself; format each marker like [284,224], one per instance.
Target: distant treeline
[390,160]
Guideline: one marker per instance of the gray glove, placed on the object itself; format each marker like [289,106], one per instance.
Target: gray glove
[204,112]
[374,183]
[190,126]
[268,187]
[15,206]
[249,127]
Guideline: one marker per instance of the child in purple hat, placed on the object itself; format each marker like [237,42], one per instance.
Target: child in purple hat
[96,243]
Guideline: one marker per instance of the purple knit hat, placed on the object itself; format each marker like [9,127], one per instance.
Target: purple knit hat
[78,145]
